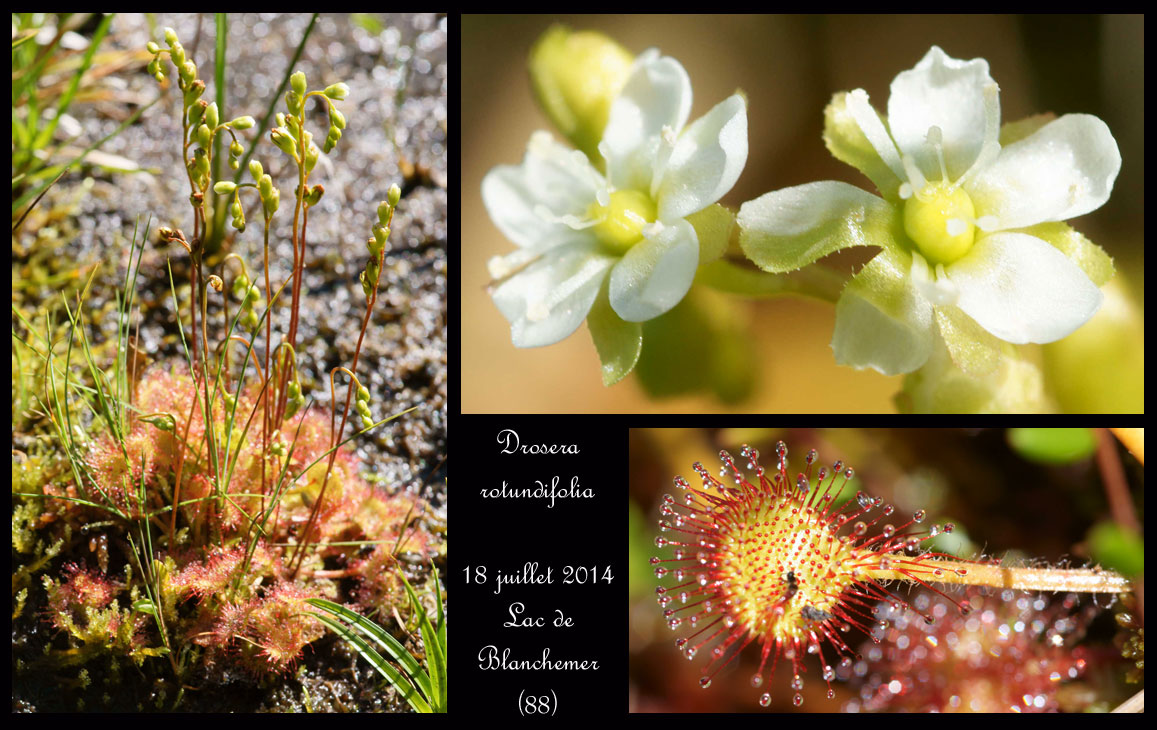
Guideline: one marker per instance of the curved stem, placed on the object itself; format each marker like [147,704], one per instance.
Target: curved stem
[812,281]
[1077,580]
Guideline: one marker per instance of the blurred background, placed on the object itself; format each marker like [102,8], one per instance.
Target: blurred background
[1028,496]
[789,67]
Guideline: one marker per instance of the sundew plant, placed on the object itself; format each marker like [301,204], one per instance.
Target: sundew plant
[972,268]
[184,531]
[796,579]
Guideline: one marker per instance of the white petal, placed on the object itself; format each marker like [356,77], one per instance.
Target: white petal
[1021,289]
[874,130]
[657,95]
[655,274]
[1064,169]
[706,161]
[944,92]
[551,176]
[550,298]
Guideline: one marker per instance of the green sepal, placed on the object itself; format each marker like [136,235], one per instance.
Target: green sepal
[272,202]
[618,342]
[212,116]
[177,52]
[224,187]
[311,155]
[363,393]
[367,284]
[381,234]
[152,47]
[973,349]
[255,170]
[337,118]
[788,229]
[244,122]
[847,143]
[393,196]
[713,225]
[204,135]
[367,423]
[170,36]
[384,210]
[187,72]
[882,321]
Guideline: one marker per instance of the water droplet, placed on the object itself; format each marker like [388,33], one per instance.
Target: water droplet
[849,472]
[918,515]
[756,680]
[705,682]
[829,673]
[764,699]
[811,457]
[680,643]
[949,527]
[831,693]
[797,700]
[691,652]
[797,682]
[801,483]
[660,541]
[889,530]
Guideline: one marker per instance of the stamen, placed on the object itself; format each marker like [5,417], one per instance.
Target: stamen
[936,138]
[568,219]
[915,177]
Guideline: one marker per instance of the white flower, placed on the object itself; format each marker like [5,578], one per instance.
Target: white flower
[966,225]
[574,226]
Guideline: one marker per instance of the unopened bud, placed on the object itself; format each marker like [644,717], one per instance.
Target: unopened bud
[255,169]
[393,196]
[212,117]
[170,36]
[337,91]
[242,122]
[224,187]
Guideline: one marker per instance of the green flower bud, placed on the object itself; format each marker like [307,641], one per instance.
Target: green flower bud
[252,296]
[367,423]
[367,285]
[364,394]
[187,71]
[265,186]
[381,233]
[234,164]
[337,91]
[293,102]
[212,117]
[272,202]
[331,140]
[178,53]
[240,285]
[313,197]
[203,135]
[249,320]
[152,47]
[374,248]
[160,77]
[363,409]
[384,210]
[230,400]
[255,169]
[154,66]
[311,155]
[236,149]
[337,118]
[235,208]
[224,188]
[297,83]
[576,76]
[281,138]
[294,127]
[193,92]
[170,36]
[197,110]
[393,196]
[372,270]
[242,122]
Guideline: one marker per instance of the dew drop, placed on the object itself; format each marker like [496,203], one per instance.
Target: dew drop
[797,700]
[764,699]
[680,643]
[756,680]
[797,682]
[849,472]
[660,542]
[705,682]
[691,652]
[889,530]
[965,607]
[831,693]
[949,527]
[829,673]
[918,515]
[811,457]
[801,483]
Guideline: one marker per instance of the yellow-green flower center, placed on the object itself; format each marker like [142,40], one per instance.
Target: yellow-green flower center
[620,224]
[939,219]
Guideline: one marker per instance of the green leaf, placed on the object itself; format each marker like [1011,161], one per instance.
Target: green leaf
[1053,445]
[618,342]
[788,229]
